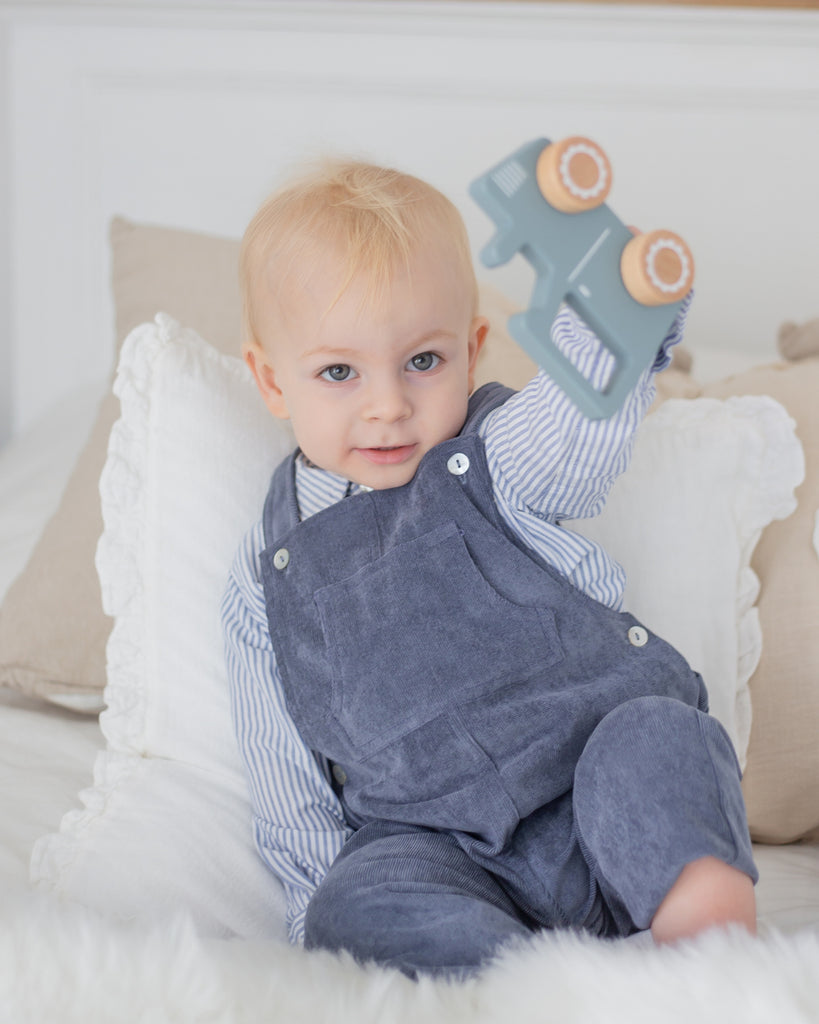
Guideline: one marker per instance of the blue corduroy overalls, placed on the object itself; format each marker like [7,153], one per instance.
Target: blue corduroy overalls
[513,753]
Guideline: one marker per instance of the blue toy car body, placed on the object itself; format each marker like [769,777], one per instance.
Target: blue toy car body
[577,260]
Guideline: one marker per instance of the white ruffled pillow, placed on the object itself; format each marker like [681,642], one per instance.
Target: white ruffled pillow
[167,824]
[706,477]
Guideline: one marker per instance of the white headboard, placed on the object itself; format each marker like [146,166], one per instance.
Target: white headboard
[185,113]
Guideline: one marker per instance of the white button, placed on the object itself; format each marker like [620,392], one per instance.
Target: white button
[281,559]
[457,464]
[339,774]
[637,636]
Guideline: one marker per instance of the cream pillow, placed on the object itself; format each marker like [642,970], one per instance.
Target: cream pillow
[167,823]
[781,781]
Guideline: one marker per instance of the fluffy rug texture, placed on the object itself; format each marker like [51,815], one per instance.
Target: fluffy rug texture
[64,964]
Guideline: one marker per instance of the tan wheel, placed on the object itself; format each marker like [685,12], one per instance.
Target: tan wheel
[574,175]
[657,268]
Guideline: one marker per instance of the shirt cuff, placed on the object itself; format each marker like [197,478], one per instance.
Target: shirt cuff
[674,336]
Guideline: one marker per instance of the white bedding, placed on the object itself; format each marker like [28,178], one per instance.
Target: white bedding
[66,965]
[69,966]
[47,758]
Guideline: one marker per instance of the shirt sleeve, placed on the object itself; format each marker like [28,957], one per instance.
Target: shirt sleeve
[298,823]
[546,458]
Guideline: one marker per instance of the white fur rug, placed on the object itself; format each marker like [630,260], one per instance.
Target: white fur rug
[62,965]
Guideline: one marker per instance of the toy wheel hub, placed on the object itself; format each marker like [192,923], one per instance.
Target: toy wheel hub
[583,171]
[668,266]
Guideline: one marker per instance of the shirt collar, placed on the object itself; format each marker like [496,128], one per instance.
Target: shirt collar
[317,489]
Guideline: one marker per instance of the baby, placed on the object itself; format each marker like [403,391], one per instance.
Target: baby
[453,735]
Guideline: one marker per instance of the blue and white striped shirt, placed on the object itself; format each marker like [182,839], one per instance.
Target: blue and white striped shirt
[548,463]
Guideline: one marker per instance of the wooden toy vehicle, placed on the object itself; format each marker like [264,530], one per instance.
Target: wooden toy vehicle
[548,202]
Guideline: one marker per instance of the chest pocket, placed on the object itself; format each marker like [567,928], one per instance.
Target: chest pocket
[419,631]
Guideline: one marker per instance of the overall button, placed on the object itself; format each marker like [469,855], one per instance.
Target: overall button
[281,559]
[457,464]
[339,774]
[637,636]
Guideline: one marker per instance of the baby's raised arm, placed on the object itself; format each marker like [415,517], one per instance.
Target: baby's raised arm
[545,456]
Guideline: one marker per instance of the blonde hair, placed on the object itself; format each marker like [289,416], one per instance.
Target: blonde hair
[376,219]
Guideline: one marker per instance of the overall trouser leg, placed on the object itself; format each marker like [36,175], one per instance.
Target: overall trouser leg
[657,787]
[412,899]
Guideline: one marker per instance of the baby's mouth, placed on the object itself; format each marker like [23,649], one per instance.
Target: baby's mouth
[388,455]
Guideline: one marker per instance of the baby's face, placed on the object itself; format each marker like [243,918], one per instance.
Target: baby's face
[372,386]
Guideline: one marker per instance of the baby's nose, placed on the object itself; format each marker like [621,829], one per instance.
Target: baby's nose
[388,402]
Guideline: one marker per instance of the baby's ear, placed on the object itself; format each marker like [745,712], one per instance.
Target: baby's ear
[478,331]
[265,376]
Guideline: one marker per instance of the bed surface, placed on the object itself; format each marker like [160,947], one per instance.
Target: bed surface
[48,757]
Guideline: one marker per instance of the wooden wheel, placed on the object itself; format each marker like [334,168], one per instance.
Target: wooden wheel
[574,175]
[657,268]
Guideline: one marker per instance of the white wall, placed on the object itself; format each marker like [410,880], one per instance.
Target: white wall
[186,112]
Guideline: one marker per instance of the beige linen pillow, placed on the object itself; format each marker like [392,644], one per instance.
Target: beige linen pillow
[53,630]
[192,277]
[781,782]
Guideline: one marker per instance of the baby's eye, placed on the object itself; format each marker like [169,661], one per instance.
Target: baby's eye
[339,372]
[424,361]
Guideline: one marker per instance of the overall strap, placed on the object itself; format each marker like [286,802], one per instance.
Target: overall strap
[281,507]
